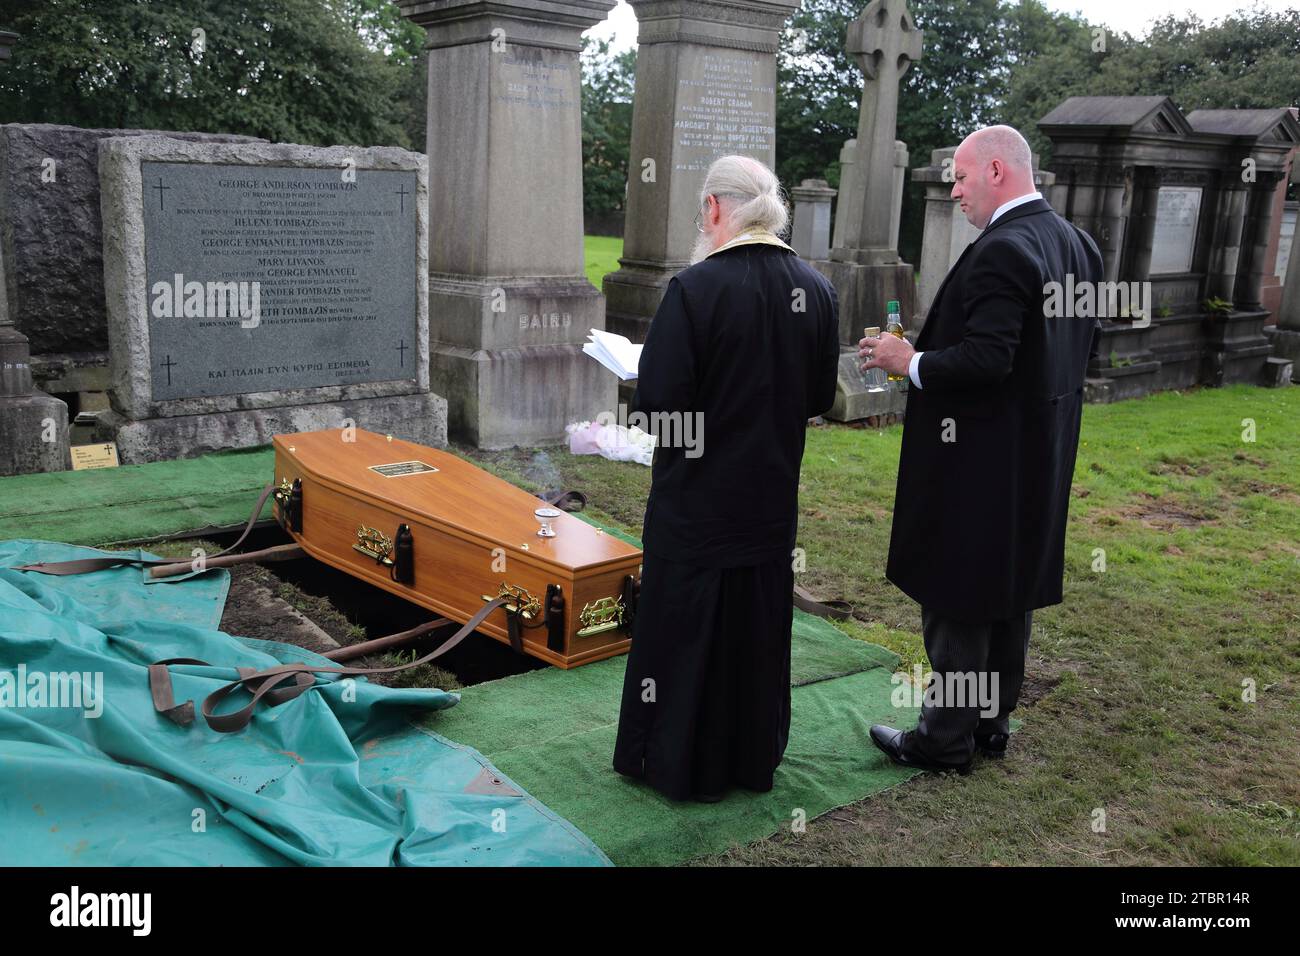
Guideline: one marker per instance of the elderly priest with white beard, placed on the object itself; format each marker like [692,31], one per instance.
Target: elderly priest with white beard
[747,339]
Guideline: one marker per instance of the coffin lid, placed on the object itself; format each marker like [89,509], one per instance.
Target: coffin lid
[459,497]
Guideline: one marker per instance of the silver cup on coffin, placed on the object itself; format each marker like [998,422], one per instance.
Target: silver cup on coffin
[544,517]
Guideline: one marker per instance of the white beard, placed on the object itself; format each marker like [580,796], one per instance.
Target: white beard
[703,246]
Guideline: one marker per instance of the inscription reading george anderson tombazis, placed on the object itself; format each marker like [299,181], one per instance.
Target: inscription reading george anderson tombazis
[261,278]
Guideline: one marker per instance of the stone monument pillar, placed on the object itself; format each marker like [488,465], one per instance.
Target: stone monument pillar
[866,268]
[850,194]
[1225,255]
[33,425]
[1259,229]
[705,87]
[901,159]
[947,231]
[851,189]
[812,218]
[509,303]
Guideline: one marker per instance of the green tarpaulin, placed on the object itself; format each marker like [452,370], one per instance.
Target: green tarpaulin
[90,774]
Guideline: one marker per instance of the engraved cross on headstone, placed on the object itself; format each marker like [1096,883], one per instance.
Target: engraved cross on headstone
[160,187]
[403,194]
[168,365]
[885,42]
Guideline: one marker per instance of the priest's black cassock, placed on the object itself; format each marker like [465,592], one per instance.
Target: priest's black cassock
[748,340]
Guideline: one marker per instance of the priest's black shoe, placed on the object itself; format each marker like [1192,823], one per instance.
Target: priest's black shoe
[890,741]
[993,746]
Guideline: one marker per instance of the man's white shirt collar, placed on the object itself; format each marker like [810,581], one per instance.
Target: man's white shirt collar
[1012,204]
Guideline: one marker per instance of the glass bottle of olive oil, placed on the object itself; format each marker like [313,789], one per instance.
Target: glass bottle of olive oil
[894,326]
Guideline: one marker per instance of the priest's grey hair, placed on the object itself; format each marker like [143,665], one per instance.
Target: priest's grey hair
[751,193]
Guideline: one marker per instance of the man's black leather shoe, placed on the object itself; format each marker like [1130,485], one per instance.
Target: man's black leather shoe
[890,741]
[993,746]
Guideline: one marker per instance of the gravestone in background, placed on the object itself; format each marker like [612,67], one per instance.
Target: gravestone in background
[1185,203]
[510,303]
[851,190]
[53,247]
[254,289]
[865,267]
[33,425]
[705,88]
[810,235]
[864,263]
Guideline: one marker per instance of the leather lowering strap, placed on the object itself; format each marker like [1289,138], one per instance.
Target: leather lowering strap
[835,610]
[266,684]
[87,565]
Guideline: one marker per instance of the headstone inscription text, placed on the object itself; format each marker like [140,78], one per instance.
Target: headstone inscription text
[1177,212]
[261,278]
[529,78]
[723,107]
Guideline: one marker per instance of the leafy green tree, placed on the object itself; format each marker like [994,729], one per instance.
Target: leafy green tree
[818,88]
[1247,60]
[308,71]
[953,89]
[608,80]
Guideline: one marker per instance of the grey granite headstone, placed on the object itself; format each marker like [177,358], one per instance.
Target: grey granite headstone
[864,264]
[33,425]
[335,268]
[705,88]
[53,240]
[811,236]
[509,299]
[331,246]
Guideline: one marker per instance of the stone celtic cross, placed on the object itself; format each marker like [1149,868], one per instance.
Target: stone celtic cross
[885,42]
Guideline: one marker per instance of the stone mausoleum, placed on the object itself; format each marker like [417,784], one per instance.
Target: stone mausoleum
[1186,202]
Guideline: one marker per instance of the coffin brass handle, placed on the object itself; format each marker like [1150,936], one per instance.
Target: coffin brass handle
[519,601]
[600,616]
[373,543]
[283,490]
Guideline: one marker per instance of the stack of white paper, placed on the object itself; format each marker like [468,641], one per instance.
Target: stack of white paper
[614,352]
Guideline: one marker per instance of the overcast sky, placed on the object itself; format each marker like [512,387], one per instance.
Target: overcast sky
[1130,16]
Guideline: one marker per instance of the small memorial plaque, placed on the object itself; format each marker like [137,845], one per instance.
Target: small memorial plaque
[1177,212]
[401,469]
[86,457]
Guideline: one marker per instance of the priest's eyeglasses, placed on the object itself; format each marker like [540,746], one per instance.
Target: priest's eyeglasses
[717,198]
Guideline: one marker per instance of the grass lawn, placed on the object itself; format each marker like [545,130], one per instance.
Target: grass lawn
[602,254]
[1134,694]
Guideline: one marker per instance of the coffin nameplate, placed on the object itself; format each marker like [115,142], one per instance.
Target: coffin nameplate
[400,469]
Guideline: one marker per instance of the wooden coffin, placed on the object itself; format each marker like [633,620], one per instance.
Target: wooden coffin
[442,533]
